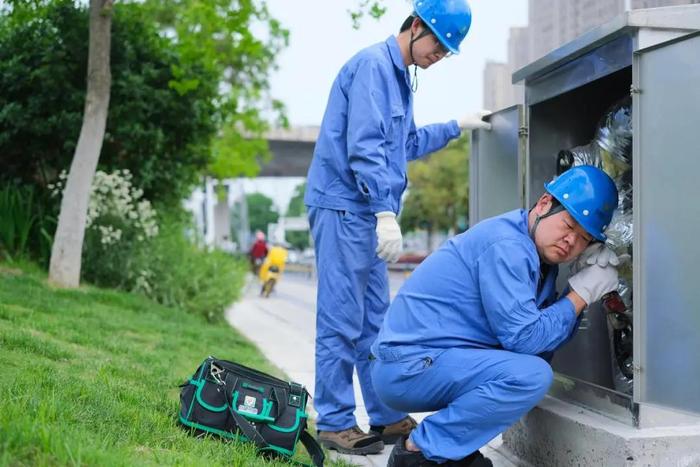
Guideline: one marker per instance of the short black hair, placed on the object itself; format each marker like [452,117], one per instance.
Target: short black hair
[555,202]
[407,22]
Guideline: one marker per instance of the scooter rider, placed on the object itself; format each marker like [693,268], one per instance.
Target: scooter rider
[258,251]
[470,333]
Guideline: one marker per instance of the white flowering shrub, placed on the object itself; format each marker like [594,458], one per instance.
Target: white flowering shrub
[126,247]
[113,197]
[119,218]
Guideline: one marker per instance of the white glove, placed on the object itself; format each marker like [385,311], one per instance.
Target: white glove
[596,253]
[475,121]
[592,282]
[389,240]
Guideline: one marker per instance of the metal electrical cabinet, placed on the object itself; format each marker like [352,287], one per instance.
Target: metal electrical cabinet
[654,55]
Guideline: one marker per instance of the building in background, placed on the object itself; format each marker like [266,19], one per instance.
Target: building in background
[552,23]
[498,93]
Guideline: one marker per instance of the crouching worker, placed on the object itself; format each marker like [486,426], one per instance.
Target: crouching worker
[470,333]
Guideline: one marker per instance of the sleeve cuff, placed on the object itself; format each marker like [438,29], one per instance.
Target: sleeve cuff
[455,130]
[380,205]
[569,312]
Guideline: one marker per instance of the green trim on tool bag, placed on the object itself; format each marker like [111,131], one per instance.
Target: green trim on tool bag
[199,378]
[263,417]
[229,435]
[245,424]
[267,408]
[300,415]
[198,396]
[286,452]
[208,429]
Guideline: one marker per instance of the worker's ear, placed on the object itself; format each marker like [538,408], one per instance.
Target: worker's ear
[544,204]
[417,26]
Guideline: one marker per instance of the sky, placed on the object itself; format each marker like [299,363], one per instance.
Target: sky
[322,40]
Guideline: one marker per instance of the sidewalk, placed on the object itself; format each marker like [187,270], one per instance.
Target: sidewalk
[283,327]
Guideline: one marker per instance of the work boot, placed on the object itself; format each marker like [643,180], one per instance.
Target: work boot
[351,441]
[390,433]
[401,457]
[475,459]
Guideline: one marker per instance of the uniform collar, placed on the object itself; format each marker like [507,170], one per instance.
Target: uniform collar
[395,52]
[523,224]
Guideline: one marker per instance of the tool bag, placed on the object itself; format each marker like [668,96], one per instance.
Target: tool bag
[232,401]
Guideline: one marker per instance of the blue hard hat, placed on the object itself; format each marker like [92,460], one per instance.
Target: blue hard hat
[449,20]
[589,195]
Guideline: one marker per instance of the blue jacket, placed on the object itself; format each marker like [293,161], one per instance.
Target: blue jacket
[368,134]
[482,289]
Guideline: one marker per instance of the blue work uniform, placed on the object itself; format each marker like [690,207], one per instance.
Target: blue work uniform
[465,336]
[358,169]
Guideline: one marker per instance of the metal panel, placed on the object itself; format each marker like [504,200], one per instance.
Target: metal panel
[574,49]
[685,17]
[667,224]
[602,61]
[494,186]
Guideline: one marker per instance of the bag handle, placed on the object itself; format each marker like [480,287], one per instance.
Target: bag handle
[313,448]
[245,426]
[311,445]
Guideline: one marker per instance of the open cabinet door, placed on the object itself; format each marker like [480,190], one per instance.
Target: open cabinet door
[666,109]
[495,183]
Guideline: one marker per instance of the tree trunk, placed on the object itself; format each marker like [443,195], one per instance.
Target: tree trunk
[66,252]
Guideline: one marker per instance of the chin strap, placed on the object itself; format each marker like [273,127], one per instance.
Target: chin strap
[414,81]
[551,212]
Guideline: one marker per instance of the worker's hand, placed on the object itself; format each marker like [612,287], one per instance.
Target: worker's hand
[592,282]
[475,121]
[389,239]
[596,253]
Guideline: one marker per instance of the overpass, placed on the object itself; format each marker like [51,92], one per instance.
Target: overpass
[291,151]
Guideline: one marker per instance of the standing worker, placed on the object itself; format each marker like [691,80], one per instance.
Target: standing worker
[353,194]
[470,333]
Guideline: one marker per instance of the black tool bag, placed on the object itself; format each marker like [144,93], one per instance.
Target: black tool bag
[233,401]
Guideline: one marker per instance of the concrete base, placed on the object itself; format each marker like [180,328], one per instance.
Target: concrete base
[560,434]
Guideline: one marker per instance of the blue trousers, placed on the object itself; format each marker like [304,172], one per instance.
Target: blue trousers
[476,394]
[353,296]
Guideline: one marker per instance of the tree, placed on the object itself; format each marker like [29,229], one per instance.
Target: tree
[261,212]
[373,8]
[43,64]
[64,268]
[297,208]
[216,37]
[296,204]
[438,194]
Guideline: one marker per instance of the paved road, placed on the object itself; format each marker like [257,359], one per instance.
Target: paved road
[283,327]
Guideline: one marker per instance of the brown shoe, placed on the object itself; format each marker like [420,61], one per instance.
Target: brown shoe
[390,433]
[351,441]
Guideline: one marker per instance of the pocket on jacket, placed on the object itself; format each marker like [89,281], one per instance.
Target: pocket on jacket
[395,134]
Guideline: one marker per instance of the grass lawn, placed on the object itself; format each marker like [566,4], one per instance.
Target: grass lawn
[90,377]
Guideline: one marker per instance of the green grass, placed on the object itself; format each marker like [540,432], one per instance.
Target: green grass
[90,377]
